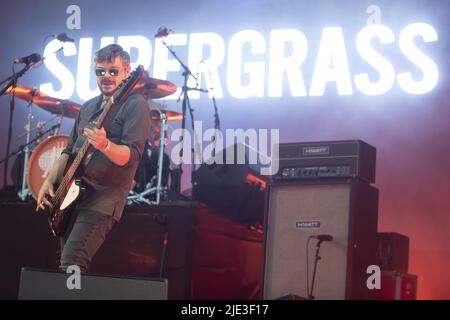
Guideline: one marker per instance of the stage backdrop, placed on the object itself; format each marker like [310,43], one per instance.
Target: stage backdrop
[323,70]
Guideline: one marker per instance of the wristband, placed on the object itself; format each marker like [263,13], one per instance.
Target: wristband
[107,145]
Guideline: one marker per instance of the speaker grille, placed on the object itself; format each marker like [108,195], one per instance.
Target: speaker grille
[298,211]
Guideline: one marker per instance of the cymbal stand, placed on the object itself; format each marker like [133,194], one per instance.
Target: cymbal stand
[36,139]
[54,129]
[216,123]
[216,112]
[25,192]
[40,126]
[139,198]
[60,119]
[12,83]
[162,144]
[186,105]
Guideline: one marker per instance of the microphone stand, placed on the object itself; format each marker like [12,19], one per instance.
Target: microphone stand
[22,147]
[316,260]
[216,124]
[178,171]
[25,191]
[11,84]
[162,144]
[216,114]
[163,221]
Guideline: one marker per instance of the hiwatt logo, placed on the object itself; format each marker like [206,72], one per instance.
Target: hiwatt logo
[307,224]
[315,151]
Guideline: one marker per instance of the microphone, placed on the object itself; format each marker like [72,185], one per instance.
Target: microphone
[163,32]
[31,59]
[322,237]
[63,37]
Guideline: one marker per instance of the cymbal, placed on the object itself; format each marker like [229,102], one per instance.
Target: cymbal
[66,108]
[153,88]
[170,115]
[57,106]
[26,93]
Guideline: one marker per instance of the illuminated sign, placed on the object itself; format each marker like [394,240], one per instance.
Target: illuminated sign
[268,68]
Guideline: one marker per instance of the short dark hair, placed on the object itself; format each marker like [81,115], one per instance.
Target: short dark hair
[110,52]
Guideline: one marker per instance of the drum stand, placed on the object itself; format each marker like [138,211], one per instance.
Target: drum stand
[158,189]
[58,125]
[24,193]
[162,144]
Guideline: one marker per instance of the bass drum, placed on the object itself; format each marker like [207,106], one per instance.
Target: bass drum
[42,160]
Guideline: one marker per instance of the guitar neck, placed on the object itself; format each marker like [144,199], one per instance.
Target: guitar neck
[70,173]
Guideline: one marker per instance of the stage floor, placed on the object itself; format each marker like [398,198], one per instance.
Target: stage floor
[203,259]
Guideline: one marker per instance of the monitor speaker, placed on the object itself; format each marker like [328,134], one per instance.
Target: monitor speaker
[38,284]
[225,187]
[347,210]
[393,251]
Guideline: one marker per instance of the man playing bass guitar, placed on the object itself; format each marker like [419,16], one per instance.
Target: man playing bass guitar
[107,171]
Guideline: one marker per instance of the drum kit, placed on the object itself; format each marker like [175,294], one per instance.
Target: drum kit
[150,181]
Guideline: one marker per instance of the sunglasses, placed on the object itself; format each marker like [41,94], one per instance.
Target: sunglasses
[100,72]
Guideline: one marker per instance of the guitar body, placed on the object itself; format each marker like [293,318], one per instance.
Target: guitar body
[66,197]
[56,217]
[60,214]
